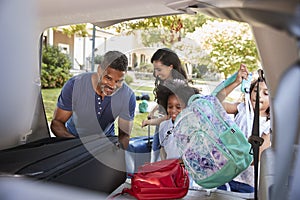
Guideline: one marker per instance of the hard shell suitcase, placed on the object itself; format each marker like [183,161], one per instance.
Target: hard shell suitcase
[138,152]
[93,162]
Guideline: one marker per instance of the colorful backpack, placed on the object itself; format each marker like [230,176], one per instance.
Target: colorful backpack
[213,148]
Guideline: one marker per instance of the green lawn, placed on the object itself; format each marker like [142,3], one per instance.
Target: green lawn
[50,97]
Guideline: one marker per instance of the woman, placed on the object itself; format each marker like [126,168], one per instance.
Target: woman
[167,66]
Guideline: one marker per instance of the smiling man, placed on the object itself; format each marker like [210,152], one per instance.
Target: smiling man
[90,103]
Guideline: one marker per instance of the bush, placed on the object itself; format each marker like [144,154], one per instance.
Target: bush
[55,67]
[145,67]
[128,79]
[98,59]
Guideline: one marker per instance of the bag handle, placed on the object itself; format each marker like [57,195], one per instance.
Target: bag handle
[193,98]
[245,88]
[149,130]
[224,84]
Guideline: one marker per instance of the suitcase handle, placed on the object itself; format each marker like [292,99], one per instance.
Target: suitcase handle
[149,144]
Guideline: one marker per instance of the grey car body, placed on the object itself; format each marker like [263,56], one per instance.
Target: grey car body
[275,25]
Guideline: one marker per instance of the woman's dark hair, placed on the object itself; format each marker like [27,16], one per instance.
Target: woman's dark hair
[174,87]
[168,57]
[253,85]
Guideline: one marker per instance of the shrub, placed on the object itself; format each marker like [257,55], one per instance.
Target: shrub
[98,59]
[145,67]
[55,67]
[128,79]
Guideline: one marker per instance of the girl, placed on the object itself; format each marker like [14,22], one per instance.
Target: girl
[239,110]
[173,96]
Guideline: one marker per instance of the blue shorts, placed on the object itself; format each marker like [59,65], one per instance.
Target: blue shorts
[236,186]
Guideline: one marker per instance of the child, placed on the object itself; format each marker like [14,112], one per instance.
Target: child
[174,96]
[239,110]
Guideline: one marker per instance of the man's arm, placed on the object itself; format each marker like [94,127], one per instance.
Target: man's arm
[58,127]
[125,128]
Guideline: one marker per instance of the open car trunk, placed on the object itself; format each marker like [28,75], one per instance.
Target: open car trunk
[275,24]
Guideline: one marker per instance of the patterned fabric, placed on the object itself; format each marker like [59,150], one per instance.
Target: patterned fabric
[211,144]
[247,176]
[241,120]
[167,140]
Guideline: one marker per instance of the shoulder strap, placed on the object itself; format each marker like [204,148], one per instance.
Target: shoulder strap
[224,84]
[193,98]
[254,139]
[245,88]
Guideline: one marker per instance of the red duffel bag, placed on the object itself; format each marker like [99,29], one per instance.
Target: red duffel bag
[166,179]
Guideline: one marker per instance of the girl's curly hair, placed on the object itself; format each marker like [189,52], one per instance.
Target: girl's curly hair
[174,87]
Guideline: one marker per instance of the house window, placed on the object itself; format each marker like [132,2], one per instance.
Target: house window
[65,48]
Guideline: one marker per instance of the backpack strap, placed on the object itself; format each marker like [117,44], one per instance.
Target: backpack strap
[224,84]
[255,140]
[245,88]
[193,98]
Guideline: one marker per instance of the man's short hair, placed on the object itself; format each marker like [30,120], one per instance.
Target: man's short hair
[115,60]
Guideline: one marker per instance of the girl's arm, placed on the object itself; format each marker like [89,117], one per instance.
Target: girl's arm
[162,153]
[151,114]
[266,144]
[154,121]
[231,108]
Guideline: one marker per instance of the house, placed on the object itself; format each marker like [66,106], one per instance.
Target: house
[82,50]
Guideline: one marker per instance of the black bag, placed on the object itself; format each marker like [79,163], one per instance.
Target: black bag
[93,162]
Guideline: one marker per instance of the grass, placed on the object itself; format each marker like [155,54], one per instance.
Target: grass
[145,88]
[50,98]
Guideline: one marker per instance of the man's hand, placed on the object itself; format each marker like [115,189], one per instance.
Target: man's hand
[57,126]
[124,128]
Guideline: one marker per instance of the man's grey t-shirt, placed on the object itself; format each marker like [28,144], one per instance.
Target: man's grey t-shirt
[91,114]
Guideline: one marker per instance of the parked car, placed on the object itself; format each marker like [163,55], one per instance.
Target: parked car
[275,25]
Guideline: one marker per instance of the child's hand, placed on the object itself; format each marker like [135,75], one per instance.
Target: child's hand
[145,123]
[242,74]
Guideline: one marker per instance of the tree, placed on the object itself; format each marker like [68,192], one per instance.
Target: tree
[76,29]
[222,44]
[165,30]
[55,67]
[229,44]
[98,59]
